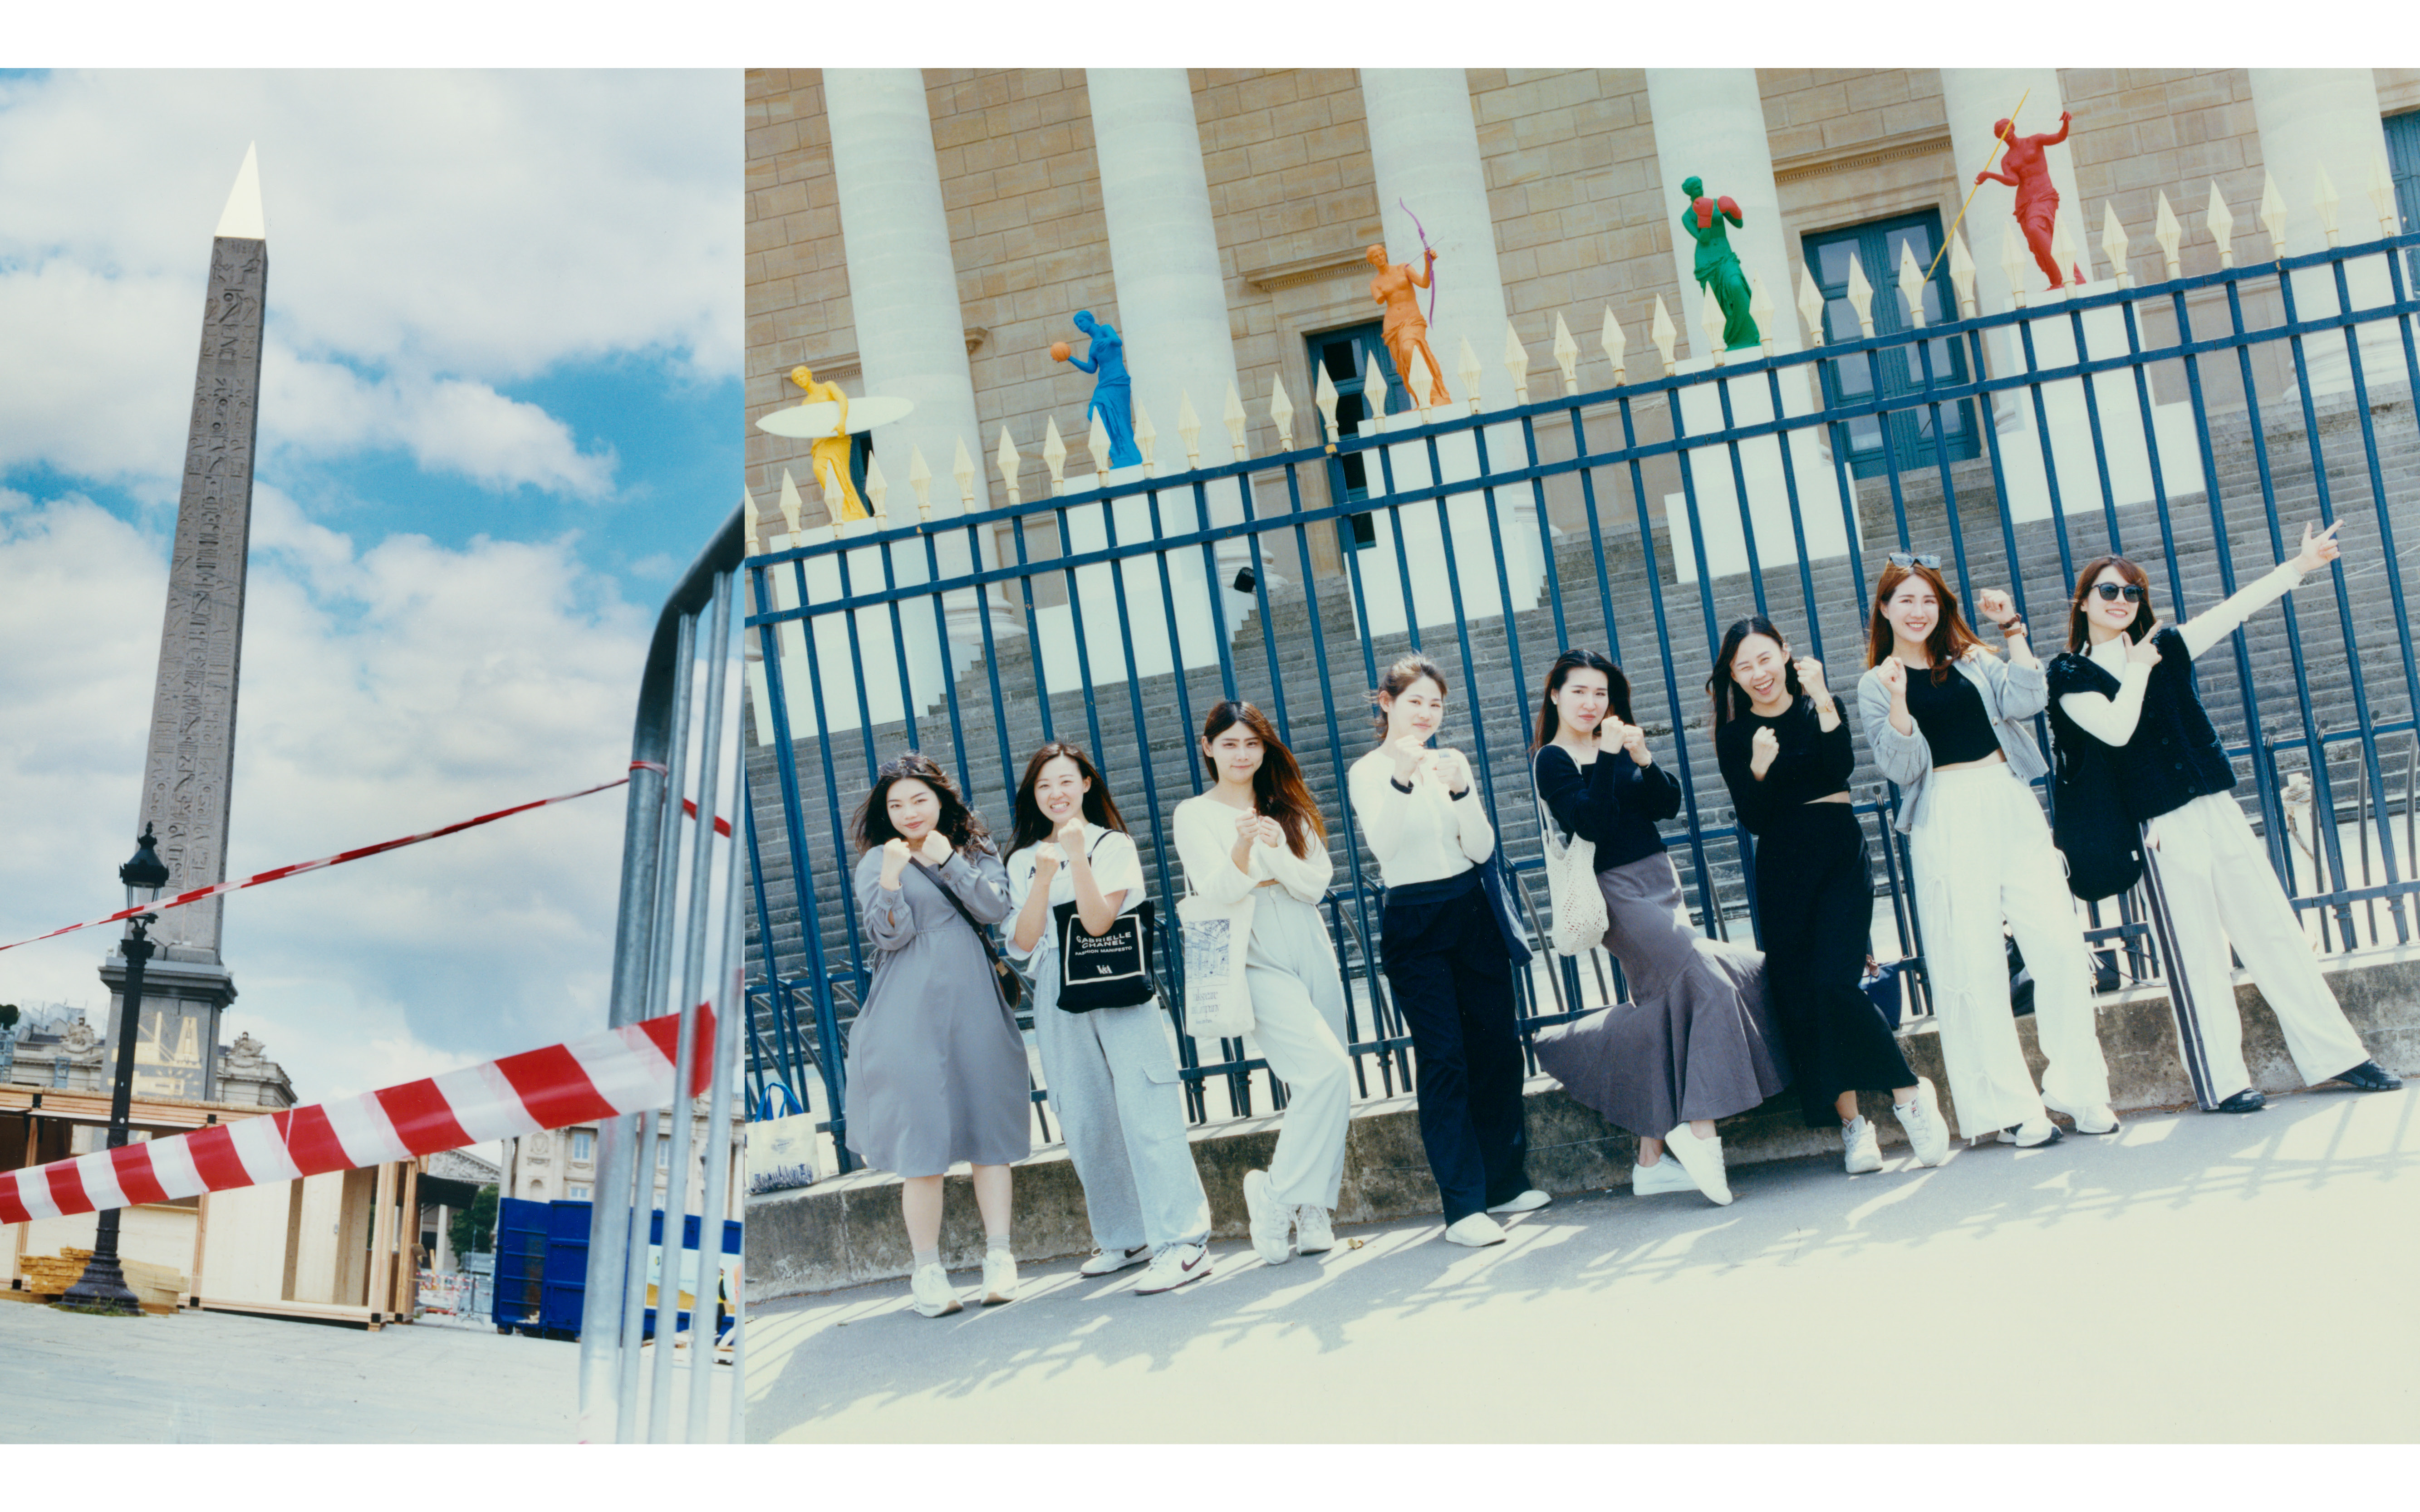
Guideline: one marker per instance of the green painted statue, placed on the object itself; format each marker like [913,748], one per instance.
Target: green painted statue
[1717,265]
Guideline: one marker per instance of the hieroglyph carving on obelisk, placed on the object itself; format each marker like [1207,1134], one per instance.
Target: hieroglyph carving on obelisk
[192,752]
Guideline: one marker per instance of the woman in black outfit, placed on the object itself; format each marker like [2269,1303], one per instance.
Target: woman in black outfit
[1785,754]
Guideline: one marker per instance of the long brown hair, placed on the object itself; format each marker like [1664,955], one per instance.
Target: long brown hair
[959,824]
[1401,673]
[1617,691]
[2078,633]
[1031,825]
[1951,637]
[1278,791]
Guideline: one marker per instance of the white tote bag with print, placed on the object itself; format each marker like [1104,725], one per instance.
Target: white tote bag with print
[1218,1005]
[1580,920]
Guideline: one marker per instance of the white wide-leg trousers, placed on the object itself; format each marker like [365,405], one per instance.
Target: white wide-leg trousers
[1298,1028]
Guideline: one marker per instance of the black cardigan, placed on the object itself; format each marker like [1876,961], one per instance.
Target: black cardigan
[1615,803]
[2174,755]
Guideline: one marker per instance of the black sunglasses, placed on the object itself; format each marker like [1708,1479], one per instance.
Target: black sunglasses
[1903,559]
[2111,592]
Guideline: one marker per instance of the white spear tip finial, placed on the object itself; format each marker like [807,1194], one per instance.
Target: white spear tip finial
[243,218]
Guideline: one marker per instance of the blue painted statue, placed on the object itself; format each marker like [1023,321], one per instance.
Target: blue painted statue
[1113,390]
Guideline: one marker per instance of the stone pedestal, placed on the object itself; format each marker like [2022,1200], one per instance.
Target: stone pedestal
[177,1045]
[2069,423]
[1719,515]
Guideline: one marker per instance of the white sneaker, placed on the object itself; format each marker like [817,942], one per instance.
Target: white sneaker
[2032,1134]
[1315,1233]
[999,1278]
[1530,1201]
[1172,1267]
[1271,1220]
[1663,1175]
[1110,1261]
[1703,1159]
[1928,1133]
[2099,1118]
[930,1287]
[1475,1230]
[1861,1148]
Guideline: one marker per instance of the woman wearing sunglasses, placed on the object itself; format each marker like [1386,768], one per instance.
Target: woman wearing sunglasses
[1945,719]
[2129,685]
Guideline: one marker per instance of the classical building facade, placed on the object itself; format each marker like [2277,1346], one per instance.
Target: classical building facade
[56,1046]
[561,1164]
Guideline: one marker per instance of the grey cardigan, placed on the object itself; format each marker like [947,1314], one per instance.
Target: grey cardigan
[2011,695]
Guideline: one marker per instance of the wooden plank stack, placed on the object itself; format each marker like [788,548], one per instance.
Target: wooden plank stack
[156,1287]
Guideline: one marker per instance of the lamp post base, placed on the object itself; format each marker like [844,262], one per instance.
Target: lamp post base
[102,1288]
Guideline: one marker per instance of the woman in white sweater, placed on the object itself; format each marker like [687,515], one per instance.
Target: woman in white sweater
[1256,833]
[1449,950]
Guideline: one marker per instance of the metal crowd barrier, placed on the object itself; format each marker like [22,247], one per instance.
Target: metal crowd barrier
[673,947]
[880,644]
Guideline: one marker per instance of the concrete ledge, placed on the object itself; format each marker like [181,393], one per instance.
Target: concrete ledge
[846,1231]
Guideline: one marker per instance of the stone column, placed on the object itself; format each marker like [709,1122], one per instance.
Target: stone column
[1710,124]
[2311,118]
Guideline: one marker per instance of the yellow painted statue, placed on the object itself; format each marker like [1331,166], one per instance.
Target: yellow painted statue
[829,460]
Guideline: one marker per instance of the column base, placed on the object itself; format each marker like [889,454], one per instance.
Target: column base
[102,1288]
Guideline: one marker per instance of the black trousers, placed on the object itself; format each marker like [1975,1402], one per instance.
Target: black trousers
[1452,979]
[1815,910]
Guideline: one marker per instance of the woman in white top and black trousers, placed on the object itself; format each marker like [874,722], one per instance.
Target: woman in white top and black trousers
[1945,719]
[1111,1072]
[1256,833]
[1449,948]
[2130,687]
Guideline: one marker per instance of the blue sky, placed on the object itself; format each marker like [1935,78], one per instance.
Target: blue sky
[500,406]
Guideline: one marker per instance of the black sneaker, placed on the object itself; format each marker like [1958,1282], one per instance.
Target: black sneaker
[2247,1101]
[2370,1076]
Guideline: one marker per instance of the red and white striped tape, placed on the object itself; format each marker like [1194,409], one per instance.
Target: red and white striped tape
[278,873]
[628,1070]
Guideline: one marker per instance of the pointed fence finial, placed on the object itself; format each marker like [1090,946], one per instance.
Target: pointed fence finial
[963,470]
[2066,251]
[2273,215]
[1188,428]
[1611,337]
[1098,443]
[2323,198]
[2113,245]
[1910,284]
[1567,356]
[1516,364]
[1759,309]
[1054,454]
[793,509]
[833,515]
[2221,222]
[2382,195]
[1861,296]
[1146,436]
[1962,275]
[1324,397]
[2167,233]
[1373,398]
[1710,317]
[1234,418]
[243,218]
[1281,412]
[1810,305]
[2012,262]
[1005,458]
[1467,368]
[878,489]
[920,480]
[748,539]
[1663,333]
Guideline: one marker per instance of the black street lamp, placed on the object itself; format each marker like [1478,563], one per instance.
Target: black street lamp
[103,1288]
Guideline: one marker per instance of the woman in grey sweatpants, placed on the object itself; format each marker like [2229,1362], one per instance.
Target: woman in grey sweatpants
[1111,1072]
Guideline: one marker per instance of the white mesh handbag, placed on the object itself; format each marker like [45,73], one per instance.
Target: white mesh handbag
[1571,884]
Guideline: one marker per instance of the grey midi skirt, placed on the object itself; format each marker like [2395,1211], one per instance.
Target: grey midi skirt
[1695,1038]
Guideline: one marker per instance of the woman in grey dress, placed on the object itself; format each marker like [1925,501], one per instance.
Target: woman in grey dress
[1694,1041]
[936,1071]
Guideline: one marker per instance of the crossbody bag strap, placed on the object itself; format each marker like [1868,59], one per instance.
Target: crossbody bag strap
[983,930]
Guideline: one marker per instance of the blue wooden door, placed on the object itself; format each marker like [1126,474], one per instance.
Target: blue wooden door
[1900,370]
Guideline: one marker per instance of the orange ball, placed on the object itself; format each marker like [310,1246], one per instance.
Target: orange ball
[1061,352]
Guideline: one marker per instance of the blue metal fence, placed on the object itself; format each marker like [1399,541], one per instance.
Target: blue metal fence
[2320,691]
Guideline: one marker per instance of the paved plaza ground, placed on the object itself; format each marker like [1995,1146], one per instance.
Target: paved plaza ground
[221,1377]
[2199,1277]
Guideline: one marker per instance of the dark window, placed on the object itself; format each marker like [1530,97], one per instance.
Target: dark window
[1901,371]
[2403,165]
[1345,356]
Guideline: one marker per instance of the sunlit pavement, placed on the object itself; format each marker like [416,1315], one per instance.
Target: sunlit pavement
[2197,1277]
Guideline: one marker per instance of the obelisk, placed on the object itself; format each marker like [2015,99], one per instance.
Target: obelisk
[191,757]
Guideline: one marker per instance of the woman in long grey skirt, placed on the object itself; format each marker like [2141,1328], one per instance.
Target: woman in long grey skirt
[936,1071]
[1694,1042]
[1111,1072]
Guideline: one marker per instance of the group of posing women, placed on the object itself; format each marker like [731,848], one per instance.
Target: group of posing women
[937,1069]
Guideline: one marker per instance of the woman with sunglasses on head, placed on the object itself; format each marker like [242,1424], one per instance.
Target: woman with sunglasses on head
[1945,719]
[2129,685]
[1786,758]
[1694,1040]
[1449,949]
[1257,833]
[1111,1072]
[936,1071]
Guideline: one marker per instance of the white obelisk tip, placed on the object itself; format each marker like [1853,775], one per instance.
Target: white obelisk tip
[242,217]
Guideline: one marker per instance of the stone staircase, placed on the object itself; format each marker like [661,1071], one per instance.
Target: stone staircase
[1143,734]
